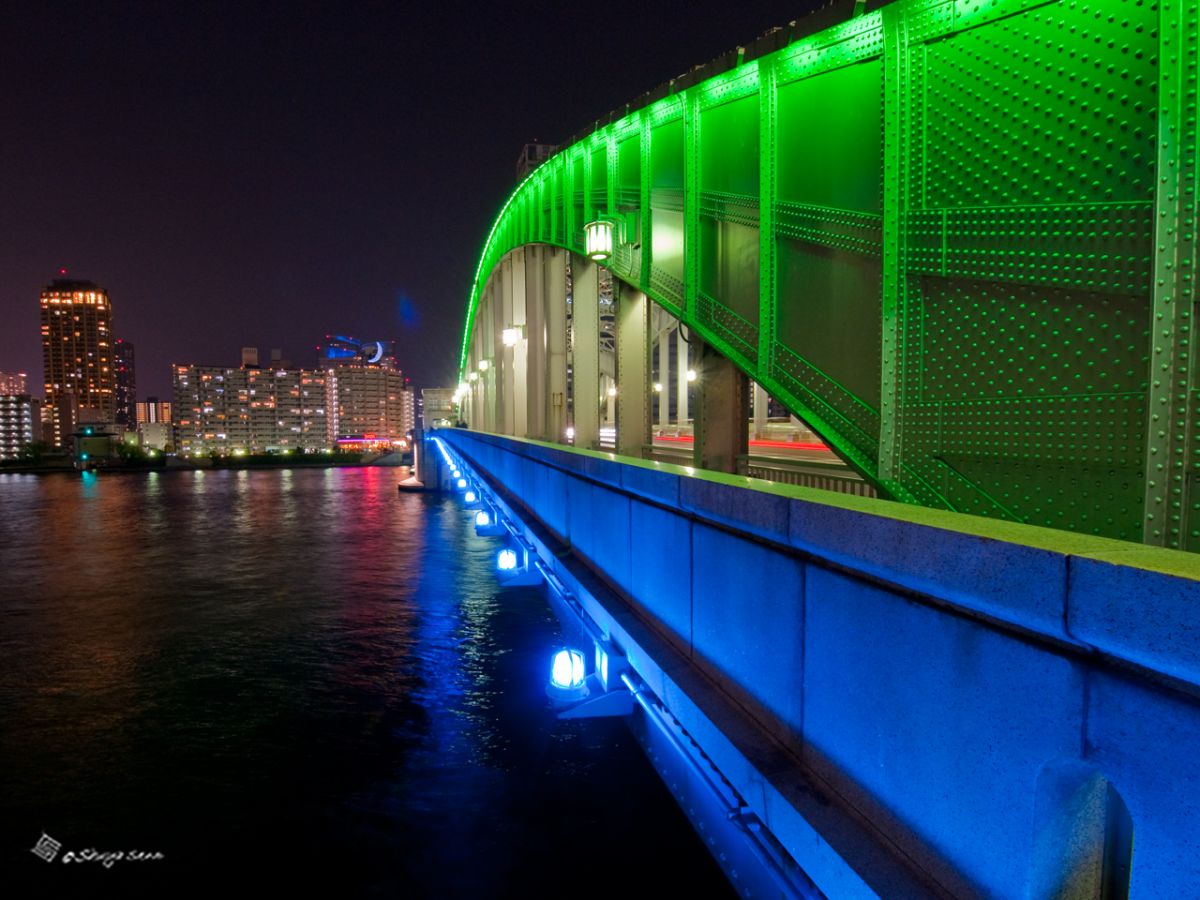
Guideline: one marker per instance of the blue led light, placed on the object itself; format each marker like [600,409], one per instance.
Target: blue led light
[482,519]
[469,496]
[462,483]
[566,671]
[506,561]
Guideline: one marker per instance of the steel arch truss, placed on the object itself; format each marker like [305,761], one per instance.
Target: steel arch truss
[956,238]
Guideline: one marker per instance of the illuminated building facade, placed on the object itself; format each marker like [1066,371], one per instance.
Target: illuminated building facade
[13,383]
[438,408]
[339,350]
[125,384]
[77,353]
[370,400]
[18,423]
[153,410]
[232,411]
[156,435]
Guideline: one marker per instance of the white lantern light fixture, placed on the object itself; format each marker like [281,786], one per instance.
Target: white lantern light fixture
[598,240]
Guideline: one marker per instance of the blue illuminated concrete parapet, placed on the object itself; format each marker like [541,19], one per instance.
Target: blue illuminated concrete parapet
[894,689]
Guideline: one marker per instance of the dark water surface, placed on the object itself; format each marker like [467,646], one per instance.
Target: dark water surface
[298,680]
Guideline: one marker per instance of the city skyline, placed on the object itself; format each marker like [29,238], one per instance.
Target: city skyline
[266,197]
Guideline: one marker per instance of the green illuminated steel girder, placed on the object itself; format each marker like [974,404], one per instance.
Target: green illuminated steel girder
[956,238]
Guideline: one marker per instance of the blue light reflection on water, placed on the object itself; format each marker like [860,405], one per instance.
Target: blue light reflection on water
[305,679]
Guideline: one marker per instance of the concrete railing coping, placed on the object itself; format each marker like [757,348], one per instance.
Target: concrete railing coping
[1166,561]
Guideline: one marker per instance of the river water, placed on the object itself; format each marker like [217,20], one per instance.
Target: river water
[297,680]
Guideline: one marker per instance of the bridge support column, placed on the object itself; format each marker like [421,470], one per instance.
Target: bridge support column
[506,354]
[554,286]
[760,412]
[722,412]
[683,364]
[535,343]
[1170,441]
[585,321]
[470,409]
[633,369]
[664,380]
[489,375]
[518,403]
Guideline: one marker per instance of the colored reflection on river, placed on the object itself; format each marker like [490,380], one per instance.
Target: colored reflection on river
[297,679]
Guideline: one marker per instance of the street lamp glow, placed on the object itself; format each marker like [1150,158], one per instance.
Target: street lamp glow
[598,240]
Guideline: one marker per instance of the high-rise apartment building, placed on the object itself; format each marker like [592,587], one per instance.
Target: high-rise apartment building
[77,353]
[225,410]
[369,395]
[370,400]
[125,384]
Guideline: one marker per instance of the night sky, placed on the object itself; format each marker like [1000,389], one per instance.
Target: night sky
[263,174]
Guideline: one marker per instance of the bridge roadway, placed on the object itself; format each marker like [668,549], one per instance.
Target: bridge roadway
[901,702]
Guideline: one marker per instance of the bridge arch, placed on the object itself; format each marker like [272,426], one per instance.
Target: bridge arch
[966,266]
